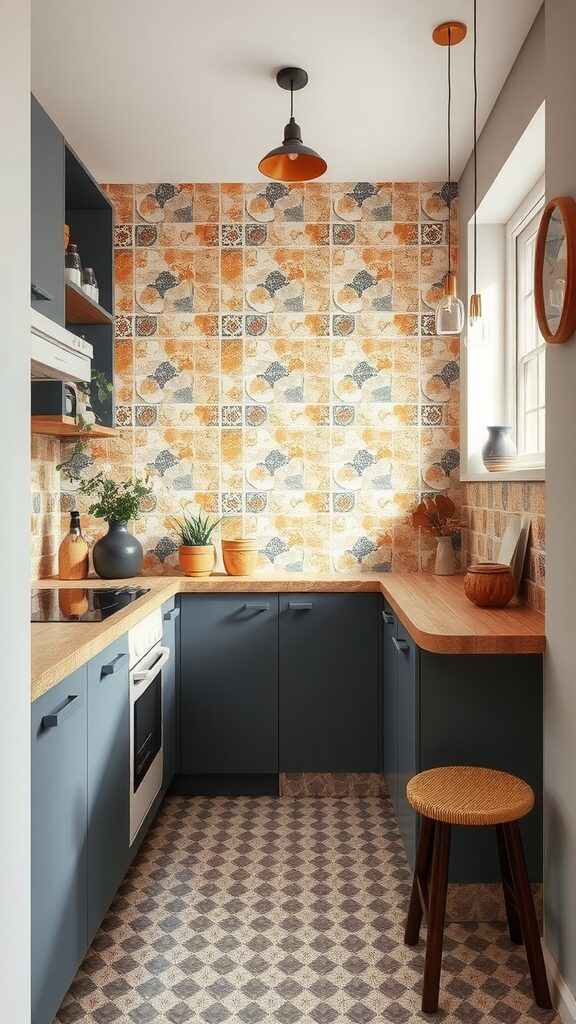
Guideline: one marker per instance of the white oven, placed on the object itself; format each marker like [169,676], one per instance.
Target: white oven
[147,659]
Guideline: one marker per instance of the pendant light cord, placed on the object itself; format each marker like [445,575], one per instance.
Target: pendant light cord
[475,157]
[449,151]
[291,98]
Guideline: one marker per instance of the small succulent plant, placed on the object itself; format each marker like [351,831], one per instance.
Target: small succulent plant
[194,531]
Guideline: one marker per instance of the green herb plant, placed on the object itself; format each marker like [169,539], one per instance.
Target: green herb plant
[194,531]
[113,501]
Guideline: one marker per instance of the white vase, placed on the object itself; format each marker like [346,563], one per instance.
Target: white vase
[445,564]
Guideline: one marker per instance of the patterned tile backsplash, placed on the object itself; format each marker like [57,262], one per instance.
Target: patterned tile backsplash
[486,508]
[276,364]
[45,506]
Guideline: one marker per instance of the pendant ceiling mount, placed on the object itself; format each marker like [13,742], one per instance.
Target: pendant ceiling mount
[449,33]
[292,161]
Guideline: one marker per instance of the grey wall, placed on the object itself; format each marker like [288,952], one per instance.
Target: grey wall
[15,513]
[560,678]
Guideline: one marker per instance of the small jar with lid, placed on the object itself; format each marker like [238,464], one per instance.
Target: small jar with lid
[72,265]
[90,284]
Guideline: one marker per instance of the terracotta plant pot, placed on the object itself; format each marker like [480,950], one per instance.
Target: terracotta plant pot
[240,556]
[197,561]
[489,584]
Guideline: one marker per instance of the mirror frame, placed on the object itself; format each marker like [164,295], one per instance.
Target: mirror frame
[567,323]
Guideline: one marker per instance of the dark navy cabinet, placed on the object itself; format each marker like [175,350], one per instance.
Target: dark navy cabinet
[229,684]
[47,215]
[328,682]
[461,709]
[170,618]
[108,778]
[59,830]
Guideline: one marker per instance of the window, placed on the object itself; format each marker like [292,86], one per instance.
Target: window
[526,355]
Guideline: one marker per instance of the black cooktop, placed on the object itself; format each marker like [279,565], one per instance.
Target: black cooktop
[82,604]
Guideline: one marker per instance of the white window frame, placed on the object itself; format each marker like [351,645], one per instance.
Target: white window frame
[531,206]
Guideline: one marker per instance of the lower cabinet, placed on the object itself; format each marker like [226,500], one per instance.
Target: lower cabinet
[328,682]
[59,848]
[483,709]
[170,639]
[229,684]
[108,778]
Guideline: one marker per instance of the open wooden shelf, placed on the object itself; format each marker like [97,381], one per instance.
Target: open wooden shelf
[81,309]
[65,426]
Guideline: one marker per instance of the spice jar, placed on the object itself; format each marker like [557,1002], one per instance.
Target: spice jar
[72,265]
[90,284]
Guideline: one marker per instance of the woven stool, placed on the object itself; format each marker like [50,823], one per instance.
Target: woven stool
[470,796]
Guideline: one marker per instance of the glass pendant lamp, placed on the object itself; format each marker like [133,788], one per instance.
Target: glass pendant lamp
[450,309]
[292,161]
[476,334]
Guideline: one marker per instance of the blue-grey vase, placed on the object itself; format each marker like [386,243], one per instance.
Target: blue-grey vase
[499,453]
[117,555]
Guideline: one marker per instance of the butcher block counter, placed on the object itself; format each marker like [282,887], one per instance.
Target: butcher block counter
[433,609]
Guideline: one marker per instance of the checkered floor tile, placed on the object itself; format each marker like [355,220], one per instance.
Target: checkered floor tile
[287,911]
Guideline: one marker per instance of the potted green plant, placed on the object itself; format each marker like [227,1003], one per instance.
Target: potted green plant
[117,555]
[197,553]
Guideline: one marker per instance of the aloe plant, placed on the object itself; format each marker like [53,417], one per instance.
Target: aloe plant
[194,531]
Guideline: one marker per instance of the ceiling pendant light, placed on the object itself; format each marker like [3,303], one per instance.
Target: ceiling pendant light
[476,324]
[450,309]
[292,161]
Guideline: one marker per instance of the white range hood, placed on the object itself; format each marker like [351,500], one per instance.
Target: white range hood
[56,353]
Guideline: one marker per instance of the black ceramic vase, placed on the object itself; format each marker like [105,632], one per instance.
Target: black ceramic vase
[117,555]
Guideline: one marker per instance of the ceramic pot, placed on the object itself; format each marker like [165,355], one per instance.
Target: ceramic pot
[197,560]
[117,555]
[499,453]
[240,557]
[489,584]
[445,564]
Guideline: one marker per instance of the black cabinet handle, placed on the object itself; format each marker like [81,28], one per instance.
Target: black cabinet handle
[401,645]
[40,293]
[114,666]
[299,606]
[388,618]
[57,717]
[171,615]
[255,606]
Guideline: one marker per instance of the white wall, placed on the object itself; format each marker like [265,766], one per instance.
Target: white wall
[15,512]
[560,672]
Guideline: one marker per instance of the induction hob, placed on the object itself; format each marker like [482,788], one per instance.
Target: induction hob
[82,604]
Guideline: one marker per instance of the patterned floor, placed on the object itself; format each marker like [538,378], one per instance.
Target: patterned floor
[287,911]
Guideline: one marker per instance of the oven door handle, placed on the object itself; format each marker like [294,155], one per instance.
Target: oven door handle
[148,674]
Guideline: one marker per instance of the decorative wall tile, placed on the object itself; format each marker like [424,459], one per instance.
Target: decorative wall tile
[276,364]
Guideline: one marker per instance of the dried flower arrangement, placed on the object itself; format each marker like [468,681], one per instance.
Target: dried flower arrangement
[436,516]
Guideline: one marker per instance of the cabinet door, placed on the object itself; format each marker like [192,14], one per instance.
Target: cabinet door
[170,615]
[328,682]
[389,705]
[108,778]
[229,683]
[47,215]
[59,822]
[408,741]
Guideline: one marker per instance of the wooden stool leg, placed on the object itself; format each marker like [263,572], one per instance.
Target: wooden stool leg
[436,917]
[419,895]
[527,915]
[514,929]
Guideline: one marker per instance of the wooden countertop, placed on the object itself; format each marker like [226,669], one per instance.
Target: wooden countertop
[434,610]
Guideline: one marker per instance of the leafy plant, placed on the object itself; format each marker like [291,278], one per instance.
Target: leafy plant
[98,387]
[194,531]
[112,501]
[435,516]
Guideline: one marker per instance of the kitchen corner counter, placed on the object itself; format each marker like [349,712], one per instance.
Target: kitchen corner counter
[434,610]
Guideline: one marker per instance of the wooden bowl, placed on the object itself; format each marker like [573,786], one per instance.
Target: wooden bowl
[489,584]
[240,557]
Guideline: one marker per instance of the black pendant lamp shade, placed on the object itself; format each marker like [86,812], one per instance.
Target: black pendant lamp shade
[292,161]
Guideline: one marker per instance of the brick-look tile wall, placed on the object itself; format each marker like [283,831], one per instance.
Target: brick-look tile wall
[45,511]
[486,508]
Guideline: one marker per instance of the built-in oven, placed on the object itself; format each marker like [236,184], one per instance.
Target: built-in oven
[147,660]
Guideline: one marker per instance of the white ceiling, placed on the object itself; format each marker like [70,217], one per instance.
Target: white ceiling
[177,90]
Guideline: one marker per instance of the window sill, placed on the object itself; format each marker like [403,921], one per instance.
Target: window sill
[523,473]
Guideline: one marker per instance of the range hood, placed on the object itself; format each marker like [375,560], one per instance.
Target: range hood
[56,353]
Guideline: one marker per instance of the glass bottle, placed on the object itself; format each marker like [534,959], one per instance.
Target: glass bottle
[72,264]
[73,553]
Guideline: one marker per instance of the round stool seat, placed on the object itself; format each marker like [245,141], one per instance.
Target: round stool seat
[466,795]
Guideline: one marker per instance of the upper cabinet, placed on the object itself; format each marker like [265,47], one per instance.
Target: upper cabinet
[47,215]
[65,194]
